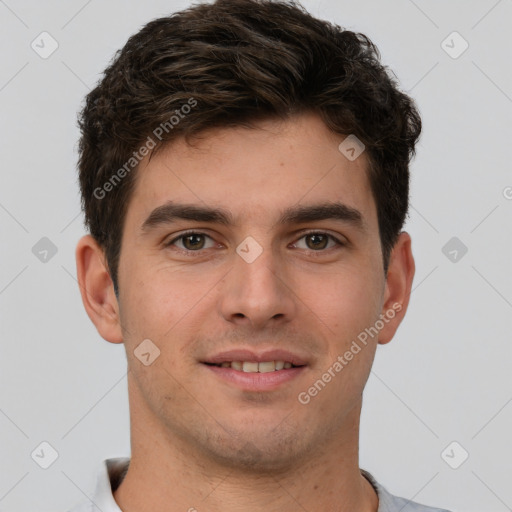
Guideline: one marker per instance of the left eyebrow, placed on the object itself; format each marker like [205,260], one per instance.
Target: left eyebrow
[170,211]
[323,211]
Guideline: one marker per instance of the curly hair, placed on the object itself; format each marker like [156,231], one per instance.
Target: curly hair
[237,62]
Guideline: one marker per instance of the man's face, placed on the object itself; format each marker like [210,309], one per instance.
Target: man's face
[254,283]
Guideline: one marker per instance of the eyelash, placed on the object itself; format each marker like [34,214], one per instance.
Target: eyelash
[188,252]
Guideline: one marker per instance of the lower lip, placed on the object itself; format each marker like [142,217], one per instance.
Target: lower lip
[257,381]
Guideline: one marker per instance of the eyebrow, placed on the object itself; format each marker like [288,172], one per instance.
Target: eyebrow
[171,211]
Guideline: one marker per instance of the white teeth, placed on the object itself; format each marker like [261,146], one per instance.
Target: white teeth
[266,367]
[254,366]
[250,366]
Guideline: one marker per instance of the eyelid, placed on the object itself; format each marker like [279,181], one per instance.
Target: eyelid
[336,238]
[299,236]
[183,234]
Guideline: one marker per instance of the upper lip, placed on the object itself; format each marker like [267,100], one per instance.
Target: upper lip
[263,356]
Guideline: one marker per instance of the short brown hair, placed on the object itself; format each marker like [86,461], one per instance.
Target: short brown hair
[240,61]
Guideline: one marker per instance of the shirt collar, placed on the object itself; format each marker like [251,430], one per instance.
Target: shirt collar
[111,474]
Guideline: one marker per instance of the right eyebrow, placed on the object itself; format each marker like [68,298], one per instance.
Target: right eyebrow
[170,211]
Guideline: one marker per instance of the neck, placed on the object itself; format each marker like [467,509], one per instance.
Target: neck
[167,474]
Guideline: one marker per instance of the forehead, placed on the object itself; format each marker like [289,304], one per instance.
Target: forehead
[255,173]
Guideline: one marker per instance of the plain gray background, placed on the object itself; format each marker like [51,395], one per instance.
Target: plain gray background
[444,378]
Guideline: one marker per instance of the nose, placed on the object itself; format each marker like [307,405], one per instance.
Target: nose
[257,294]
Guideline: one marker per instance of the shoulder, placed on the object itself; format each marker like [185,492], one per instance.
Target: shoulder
[391,503]
[395,504]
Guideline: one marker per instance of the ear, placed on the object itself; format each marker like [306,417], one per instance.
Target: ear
[97,289]
[398,287]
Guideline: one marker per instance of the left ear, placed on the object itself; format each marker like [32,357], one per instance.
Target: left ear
[398,287]
[97,289]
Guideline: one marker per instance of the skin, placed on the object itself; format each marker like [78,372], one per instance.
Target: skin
[198,442]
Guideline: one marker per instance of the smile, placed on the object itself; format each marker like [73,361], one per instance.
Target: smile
[256,367]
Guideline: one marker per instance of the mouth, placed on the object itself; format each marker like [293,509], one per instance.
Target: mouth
[255,366]
[250,371]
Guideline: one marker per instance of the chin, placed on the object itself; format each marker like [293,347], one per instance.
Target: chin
[254,458]
[253,450]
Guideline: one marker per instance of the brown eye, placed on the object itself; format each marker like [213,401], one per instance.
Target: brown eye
[192,242]
[317,241]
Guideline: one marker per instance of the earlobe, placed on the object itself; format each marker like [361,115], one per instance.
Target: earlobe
[97,289]
[398,287]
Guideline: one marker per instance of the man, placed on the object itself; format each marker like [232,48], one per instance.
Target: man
[244,177]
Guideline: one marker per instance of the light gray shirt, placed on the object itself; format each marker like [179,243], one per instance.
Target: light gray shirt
[112,472]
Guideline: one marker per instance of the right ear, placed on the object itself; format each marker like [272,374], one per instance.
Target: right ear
[97,289]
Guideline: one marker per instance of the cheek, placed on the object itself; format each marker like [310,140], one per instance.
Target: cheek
[158,294]
[346,302]
[167,306]
[346,305]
